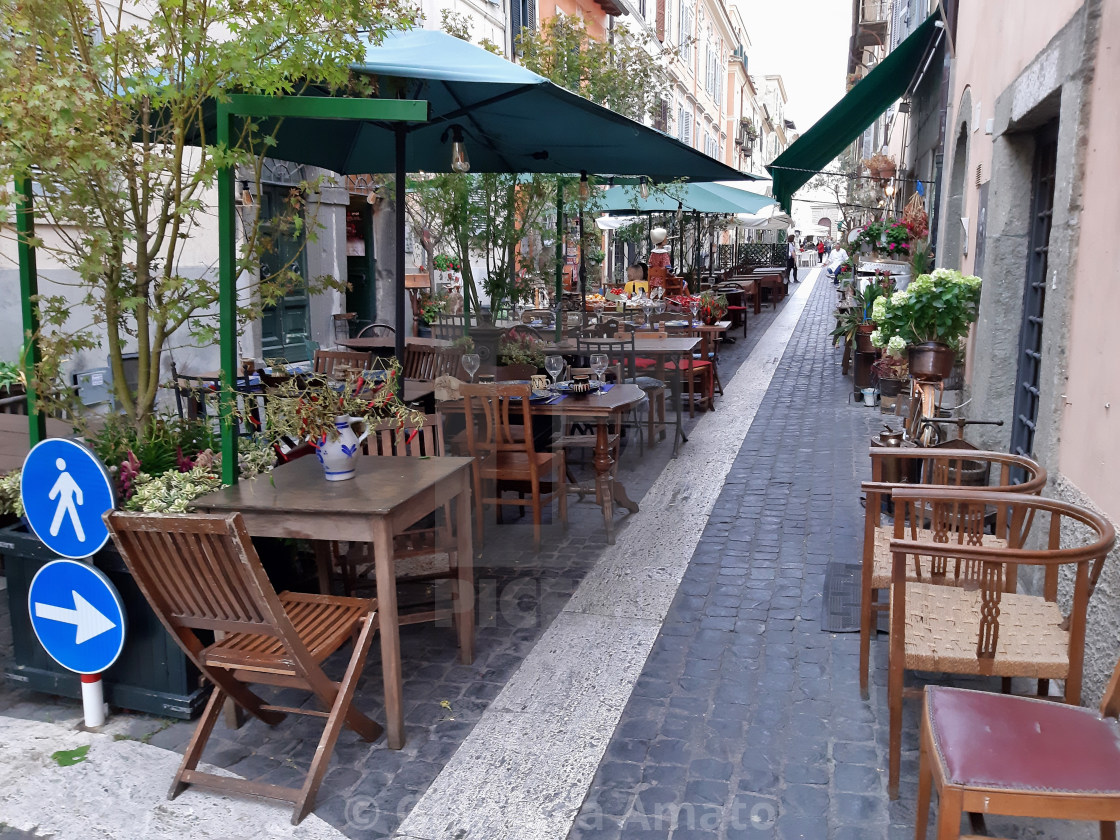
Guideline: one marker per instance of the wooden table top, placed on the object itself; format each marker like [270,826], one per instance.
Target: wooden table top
[618,398]
[379,486]
[380,345]
[14,436]
[674,345]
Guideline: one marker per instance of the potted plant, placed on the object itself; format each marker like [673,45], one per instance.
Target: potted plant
[432,305]
[892,370]
[323,412]
[896,239]
[930,317]
[160,468]
[520,355]
[870,236]
[712,307]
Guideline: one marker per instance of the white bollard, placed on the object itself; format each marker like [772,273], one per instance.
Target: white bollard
[93,700]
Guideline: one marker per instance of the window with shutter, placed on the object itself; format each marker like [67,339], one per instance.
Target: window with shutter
[530,12]
[660,22]
[687,138]
[515,22]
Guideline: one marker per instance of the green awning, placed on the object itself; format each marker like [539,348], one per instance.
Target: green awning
[851,116]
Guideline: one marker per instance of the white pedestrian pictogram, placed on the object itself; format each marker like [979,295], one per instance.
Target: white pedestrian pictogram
[68,493]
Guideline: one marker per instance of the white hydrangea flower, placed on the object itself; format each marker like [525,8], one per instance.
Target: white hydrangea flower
[900,298]
[896,345]
[879,309]
[877,338]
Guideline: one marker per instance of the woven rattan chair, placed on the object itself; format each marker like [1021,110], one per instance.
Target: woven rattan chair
[891,468]
[200,573]
[507,461]
[986,628]
[991,753]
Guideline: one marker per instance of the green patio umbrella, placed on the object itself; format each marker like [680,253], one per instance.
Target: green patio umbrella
[700,197]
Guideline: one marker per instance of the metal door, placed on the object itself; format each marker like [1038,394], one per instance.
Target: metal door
[285,327]
[1034,295]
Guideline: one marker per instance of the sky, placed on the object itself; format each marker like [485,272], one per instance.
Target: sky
[806,42]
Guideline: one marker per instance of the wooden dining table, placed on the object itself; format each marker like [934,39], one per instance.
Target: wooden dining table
[386,496]
[662,351]
[602,409]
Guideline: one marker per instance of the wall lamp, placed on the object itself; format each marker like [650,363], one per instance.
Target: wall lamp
[246,195]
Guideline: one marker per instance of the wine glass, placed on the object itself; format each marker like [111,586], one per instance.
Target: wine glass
[471,361]
[694,307]
[554,365]
[599,364]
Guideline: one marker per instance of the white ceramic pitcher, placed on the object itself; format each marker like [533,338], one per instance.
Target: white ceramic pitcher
[339,456]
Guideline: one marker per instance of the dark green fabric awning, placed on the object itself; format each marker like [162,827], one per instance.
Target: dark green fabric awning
[851,116]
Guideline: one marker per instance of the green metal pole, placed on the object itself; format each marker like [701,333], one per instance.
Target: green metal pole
[559,251]
[227,306]
[29,288]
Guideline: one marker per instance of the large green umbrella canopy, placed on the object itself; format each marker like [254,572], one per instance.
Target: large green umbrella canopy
[699,197]
[512,120]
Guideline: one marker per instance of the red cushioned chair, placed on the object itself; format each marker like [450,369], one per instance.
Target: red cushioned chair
[1020,756]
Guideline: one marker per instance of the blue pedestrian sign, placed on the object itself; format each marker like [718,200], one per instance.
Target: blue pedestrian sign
[65,489]
[77,615]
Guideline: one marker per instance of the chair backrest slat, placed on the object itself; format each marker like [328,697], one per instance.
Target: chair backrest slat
[327,361]
[199,571]
[494,404]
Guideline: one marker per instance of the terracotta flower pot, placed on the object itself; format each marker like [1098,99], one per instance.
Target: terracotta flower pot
[931,361]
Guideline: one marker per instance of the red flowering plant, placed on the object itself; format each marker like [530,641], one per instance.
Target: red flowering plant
[897,237]
[309,409]
[712,307]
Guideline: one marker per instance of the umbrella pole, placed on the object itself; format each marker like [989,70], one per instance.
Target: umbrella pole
[29,289]
[582,267]
[559,251]
[696,248]
[398,300]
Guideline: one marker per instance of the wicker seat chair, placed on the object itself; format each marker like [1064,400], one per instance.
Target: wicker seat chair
[893,468]
[986,627]
[991,753]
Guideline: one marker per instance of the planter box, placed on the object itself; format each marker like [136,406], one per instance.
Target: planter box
[152,674]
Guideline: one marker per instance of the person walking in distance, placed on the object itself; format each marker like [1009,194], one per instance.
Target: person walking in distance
[791,259]
[820,252]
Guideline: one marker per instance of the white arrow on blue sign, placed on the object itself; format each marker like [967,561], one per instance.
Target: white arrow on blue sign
[77,615]
[65,490]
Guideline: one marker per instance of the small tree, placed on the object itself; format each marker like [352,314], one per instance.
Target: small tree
[104,107]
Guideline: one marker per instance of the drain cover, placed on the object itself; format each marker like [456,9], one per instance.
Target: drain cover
[840,604]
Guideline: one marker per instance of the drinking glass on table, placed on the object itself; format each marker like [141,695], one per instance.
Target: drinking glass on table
[599,364]
[554,366]
[693,307]
[471,361]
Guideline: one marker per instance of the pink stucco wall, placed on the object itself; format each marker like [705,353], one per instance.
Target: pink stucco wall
[1089,454]
[996,40]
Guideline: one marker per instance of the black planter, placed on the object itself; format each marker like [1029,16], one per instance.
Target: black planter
[152,674]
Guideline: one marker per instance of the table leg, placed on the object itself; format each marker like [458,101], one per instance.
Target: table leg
[676,390]
[603,463]
[323,562]
[389,627]
[464,594]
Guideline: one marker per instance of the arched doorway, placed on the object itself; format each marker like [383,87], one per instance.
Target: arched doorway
[953,250]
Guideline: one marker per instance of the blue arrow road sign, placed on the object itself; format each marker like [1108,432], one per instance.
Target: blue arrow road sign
[65,490]
[77,615]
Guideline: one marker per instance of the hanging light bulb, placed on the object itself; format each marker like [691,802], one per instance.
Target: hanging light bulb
[584,188]
[643,187]
[459,160]
[246,196]
[888,190]
[372,196]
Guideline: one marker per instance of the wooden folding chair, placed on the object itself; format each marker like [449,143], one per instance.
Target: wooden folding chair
[201,573]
